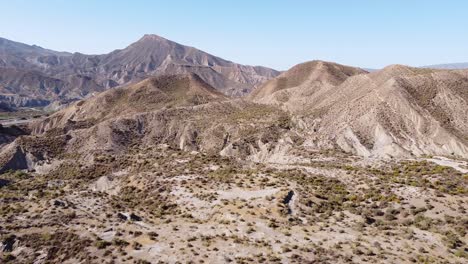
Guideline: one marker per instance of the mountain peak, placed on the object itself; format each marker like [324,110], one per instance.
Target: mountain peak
[152,40]
[153,37]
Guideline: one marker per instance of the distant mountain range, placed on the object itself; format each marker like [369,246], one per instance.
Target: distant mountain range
[450,66]
[34,76]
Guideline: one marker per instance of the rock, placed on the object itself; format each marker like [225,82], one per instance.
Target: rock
[106,184]
[122,217]
[4,183]
[135,217]
[7,244]
[60,203]
[369,220]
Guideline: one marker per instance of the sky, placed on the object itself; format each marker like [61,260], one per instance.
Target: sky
[274,33]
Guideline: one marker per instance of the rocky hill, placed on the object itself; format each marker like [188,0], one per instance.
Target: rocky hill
[180,110]
[397,111]
[308,75]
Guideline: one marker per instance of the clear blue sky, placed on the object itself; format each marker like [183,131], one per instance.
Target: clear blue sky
[274,33]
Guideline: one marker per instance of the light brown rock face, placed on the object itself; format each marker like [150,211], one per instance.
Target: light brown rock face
[397,111]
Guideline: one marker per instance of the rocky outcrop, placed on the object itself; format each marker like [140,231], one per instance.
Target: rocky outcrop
[8,243]
[14,158]
[4,183]
[10,133]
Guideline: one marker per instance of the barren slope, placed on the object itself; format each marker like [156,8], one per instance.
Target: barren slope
[397,111]
[180,110]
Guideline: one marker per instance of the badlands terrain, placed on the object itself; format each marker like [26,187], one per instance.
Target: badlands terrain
[323,163]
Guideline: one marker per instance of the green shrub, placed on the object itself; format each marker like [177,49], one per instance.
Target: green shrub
[101,244]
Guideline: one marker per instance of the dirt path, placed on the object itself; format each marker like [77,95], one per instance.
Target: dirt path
[458,165]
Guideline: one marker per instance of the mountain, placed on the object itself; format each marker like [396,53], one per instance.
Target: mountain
[40,75]
[154,55]
[32,88]
[450,66]
[397,111]
[19,55]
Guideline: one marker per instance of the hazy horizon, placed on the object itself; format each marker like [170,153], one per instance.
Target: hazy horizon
[268,33]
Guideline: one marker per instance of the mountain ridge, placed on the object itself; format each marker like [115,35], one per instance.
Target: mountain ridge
[151,55]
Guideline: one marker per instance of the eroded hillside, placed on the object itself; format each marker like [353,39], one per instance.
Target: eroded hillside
[170,170]
[395,112]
